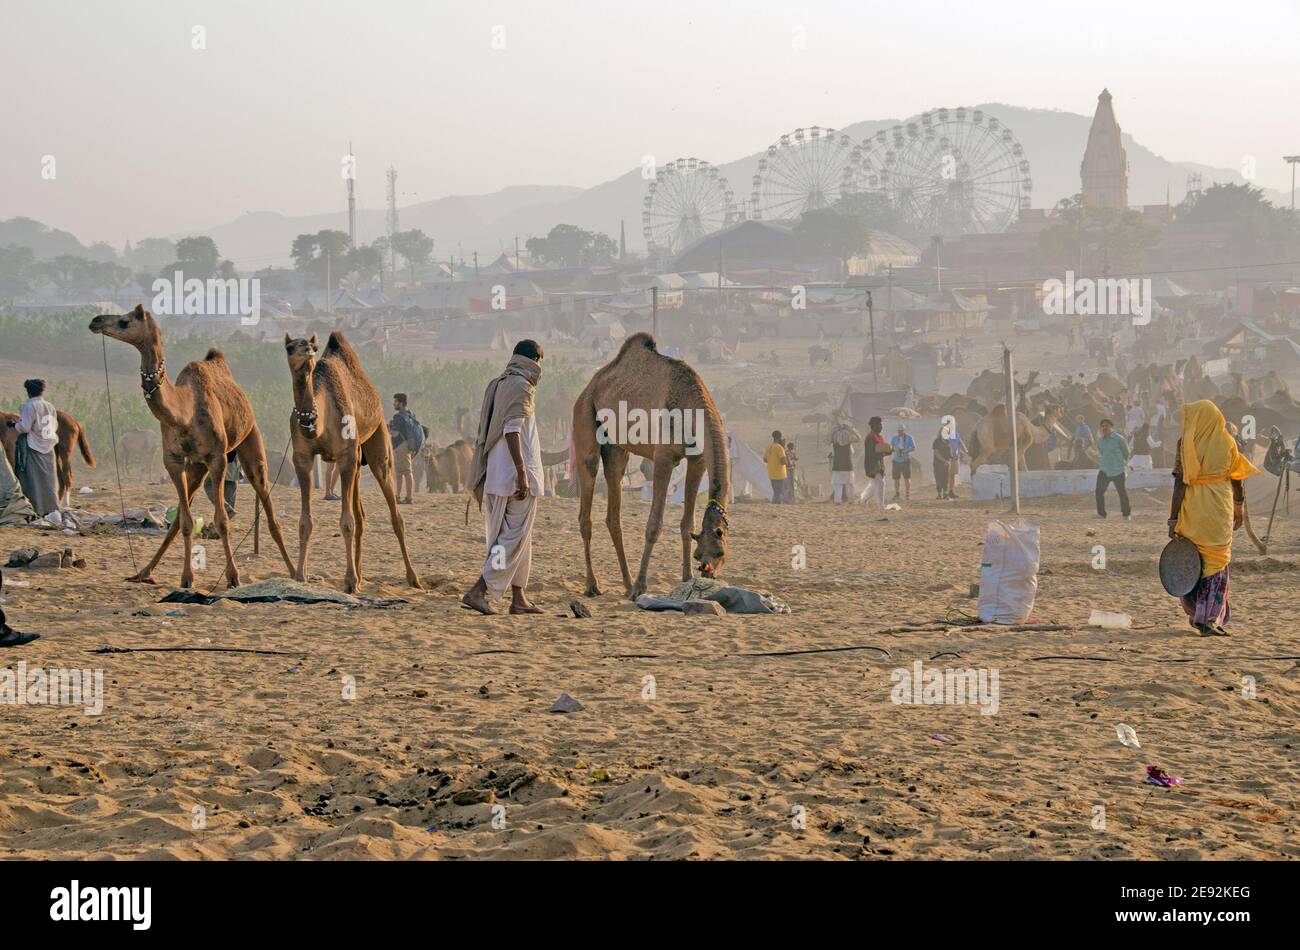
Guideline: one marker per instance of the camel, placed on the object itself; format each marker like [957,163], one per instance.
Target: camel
[337,415]
[205,420]
[447,469]
[991,440]
[70,432]
[642,378]
[141,445]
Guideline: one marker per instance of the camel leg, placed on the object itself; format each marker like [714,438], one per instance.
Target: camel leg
[217,473]
[615,464]
[654,522]
[586,469]
[191,480]
[349,472]
[63,465]
[694,474]
[302,468]
[145,574]
[252,460]
[379,456]
[359,513]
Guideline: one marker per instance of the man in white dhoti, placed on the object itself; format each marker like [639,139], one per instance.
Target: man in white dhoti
[506,472]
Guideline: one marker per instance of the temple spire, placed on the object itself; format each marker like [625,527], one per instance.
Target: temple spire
[1105,163]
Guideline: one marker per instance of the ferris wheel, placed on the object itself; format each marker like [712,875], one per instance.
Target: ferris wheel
[804,170]
[687,199]
[949,171]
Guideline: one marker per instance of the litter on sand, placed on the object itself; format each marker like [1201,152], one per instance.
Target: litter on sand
[1158,776]
[278,590]
[1127,736]
[1110,620]
[565,704]
[735,600]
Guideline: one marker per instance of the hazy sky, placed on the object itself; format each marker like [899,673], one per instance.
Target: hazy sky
[152,136]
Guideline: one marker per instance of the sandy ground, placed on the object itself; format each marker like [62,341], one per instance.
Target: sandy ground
[728,759]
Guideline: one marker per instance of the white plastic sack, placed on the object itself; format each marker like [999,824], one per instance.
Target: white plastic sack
[1008,572]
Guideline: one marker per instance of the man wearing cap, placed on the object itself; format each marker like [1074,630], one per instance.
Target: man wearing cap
[901,461]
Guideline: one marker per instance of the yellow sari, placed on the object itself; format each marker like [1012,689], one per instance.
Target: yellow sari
[1210,462]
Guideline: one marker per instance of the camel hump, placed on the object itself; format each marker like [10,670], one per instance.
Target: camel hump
[338,346]
[215,355]
[638,340]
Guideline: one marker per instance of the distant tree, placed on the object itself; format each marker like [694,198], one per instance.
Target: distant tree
[829,234]
[364,262]
[568,245]
[197,257]
[415,246]
[319,255]
[1258,227]
[18,275]
[877,212]
[1094,240]
[152,254]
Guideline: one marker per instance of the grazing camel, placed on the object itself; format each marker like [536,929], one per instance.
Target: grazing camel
[141,446]
[70,432]
[991,440]
[657,385]
[338,416]
[447,469]
[206,420]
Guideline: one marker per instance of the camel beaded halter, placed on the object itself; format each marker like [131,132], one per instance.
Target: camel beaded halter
[154,379]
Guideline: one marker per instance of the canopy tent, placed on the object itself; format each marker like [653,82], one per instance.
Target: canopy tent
[748,475]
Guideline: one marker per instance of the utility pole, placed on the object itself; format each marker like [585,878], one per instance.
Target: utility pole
[476,265]
[871,318]
[938,270]
[1013,467]
[654,313]
[352,196]
[1292,160]
[329,297]
[517,252]
[392,220]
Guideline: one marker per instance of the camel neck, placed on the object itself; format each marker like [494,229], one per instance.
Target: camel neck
[159,394]
[303,396]
[716,461]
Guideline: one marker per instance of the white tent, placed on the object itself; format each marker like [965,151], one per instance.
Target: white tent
[748,475]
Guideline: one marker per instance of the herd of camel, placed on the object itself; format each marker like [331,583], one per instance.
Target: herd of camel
[980,414]
[206,421]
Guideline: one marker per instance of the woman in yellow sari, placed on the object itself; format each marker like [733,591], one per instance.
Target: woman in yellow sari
[1207,506]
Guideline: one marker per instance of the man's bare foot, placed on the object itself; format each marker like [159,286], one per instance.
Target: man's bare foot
[519,604]
[476,599]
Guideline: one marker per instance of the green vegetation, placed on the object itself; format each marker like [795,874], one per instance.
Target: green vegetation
[437,388]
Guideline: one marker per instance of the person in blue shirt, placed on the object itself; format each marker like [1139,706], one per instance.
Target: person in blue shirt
[1114,451]
[901,460]
[1083,440]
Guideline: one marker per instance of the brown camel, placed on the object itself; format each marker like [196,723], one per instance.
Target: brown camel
[643,379]
[447,469]
[142,447]
[338,416]
[206,420]
[70,433]
[991,441]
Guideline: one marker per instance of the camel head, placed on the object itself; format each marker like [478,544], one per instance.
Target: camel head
[136,327]
[711,542]
[301,353]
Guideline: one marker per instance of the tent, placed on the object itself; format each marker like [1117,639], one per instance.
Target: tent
[477,333]
[748,475]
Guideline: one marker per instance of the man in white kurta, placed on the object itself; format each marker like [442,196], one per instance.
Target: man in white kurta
[512,482]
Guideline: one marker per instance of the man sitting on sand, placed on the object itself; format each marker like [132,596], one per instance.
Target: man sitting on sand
[507,468]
